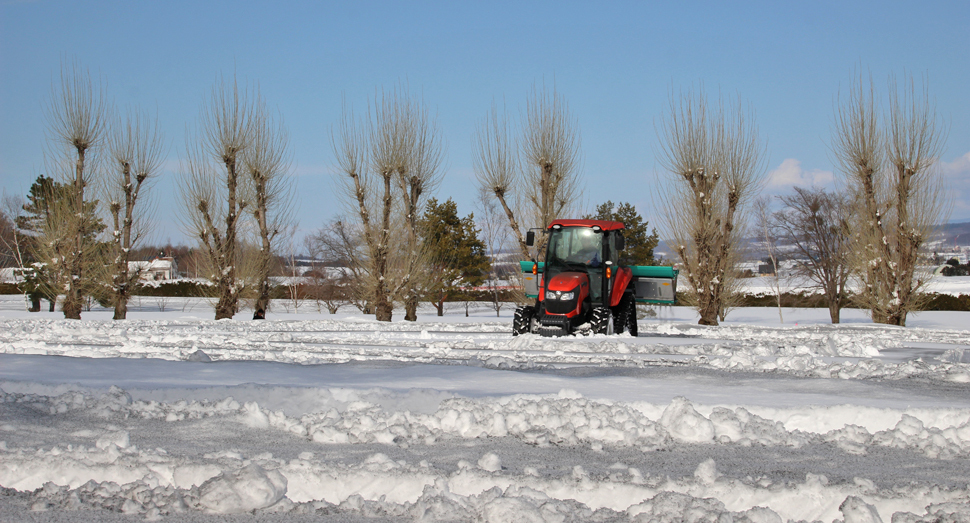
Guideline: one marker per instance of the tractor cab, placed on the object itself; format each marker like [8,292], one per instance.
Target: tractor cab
[580,287]
[581,250]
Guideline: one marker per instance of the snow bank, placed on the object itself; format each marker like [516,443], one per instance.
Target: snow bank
[114,473]
[849,351]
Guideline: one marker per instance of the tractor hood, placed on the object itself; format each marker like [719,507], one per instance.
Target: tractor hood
[567,281]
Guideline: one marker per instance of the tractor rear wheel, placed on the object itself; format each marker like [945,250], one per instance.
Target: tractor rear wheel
[625,318]
[522,321]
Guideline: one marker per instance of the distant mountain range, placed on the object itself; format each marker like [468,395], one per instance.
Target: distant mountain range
[947,236]
[955,234]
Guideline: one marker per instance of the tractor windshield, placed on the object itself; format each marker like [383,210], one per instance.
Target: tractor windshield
[577,249]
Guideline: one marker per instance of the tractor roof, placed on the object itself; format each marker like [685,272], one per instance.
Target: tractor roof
[603,224]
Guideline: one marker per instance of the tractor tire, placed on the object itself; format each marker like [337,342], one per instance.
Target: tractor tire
[600,321]
[522,321]
[625,318]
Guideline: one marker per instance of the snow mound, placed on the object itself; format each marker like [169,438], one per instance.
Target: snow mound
[247,489]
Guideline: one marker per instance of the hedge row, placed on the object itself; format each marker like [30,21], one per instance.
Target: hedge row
[193,289]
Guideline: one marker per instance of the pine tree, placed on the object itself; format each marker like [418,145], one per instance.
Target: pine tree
[458,255]
[43,199]
[639,244]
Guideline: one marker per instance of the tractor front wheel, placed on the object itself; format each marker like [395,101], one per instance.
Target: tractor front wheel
[600,322]
[522,321]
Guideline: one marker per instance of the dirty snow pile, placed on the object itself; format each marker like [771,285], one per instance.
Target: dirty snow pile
[170,416]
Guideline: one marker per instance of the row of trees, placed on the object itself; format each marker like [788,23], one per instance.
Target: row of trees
[93,153]
[713,157]
[874,230]
[234,183]
[401,244]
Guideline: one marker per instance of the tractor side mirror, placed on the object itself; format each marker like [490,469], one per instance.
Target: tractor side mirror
[620,242]
[530,238]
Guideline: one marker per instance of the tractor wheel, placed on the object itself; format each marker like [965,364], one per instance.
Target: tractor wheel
[626,315]
[600,322]
[522,321]
[632,326]
[619,323]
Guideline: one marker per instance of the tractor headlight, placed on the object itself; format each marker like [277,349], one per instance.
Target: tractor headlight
[559,295]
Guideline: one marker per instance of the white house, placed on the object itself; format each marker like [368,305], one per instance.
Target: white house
[158,269]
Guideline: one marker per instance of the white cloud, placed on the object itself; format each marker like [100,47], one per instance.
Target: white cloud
[957,179]
[959,167]
[791,173]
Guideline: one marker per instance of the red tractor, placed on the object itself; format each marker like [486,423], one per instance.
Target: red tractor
[581,288]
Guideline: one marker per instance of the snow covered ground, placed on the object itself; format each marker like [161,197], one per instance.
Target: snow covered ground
[307,416]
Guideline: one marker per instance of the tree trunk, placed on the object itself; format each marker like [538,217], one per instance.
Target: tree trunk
[834,311]
[262,302]
[440,305]
[34,303]
[121,303]
[411,308]
[72,304]
[226,306]
[383,309]
[709,313]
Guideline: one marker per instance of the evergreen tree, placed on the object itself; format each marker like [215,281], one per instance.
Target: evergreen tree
[458,255]
[639,244]
[43,280]
[42,199]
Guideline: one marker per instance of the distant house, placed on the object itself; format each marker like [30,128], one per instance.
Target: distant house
[159,269]
[11,275]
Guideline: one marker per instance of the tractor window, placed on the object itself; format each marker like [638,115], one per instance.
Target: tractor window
[614,254]
[575,246]
[577,249]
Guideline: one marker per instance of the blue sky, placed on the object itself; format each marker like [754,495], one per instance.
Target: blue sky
[615,63]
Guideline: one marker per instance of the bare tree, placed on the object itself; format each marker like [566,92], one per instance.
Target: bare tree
[213,188]
[714,160]
[497,168]
[495,237]
[267,162]
[537,179]
[135,146]
[550,149]
[341,245]
[351,144]
[418,174]
[898,192]
[76,129]
[13,241]
[388,167]
[816,224]
[763,216]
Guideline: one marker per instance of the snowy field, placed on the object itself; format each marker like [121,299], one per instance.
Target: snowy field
[311,417]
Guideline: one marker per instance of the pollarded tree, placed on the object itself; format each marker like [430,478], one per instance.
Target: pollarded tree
[135,147]
[640,242]
[76,126]
[266,163]
[214,189]
[536,179]
[389,166]
[889,163]
[714,161]
[406,125]
[458,255]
